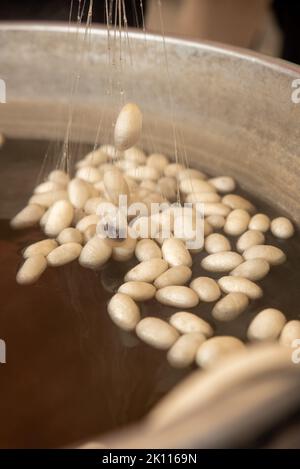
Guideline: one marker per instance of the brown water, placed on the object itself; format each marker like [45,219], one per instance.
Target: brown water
[70,372]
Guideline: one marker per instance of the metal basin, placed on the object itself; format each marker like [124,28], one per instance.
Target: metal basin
[233,108]
[233,113]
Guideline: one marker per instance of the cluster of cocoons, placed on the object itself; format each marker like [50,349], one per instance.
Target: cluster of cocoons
[66,209]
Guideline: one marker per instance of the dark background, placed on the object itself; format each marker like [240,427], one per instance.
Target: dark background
[59,10]
[287,13]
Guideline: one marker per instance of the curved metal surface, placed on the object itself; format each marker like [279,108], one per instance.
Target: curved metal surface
[233,109]
[230,406]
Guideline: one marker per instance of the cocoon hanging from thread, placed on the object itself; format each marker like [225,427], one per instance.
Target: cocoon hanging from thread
[128,127]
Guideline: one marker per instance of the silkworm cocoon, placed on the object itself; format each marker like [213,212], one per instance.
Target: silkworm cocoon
[190,173]
[64,254]
[144,227]
[46,199]
[94,192]
[59,176]
[157,333]
[216,242]
[253,269]
[48,186]
[188,186]
[290,333]
[183,352]
[112,225]
[161,236]
[103,168]
[138,291]
[168,188]
[147,271]
[95,253]
[267,325]
[215,208]
[250,238]
[154,197]
[40,247]
[92,205]
[89,233]
[237,222]
[44,218]
[272,254]
[147,249]
[125,251]
[230,307]
[135,154]
[216,221]
[235,201]
[139,194]
[232,284]
[32,269]
[143,172]
[165,220]
[85,222]
[186,322]
[125,165]
[96,157]
[260,222]
[82,163]
[28,216]
[205,197]
[223,184]
[111,151]
[208,229]
[115,242]
[216,349]
[70,235]
[89,174]
[175,253]
[128,127]
[177,296]
[115,185]
[173,169]
[123,311]
[222,261]
[188,227]
[157,161]
[181,212]
[78,192]
[282,227]
[149,185]
[206,288]
[97,189]
[79,214]
[60,217]
[178,275]
[132,184]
